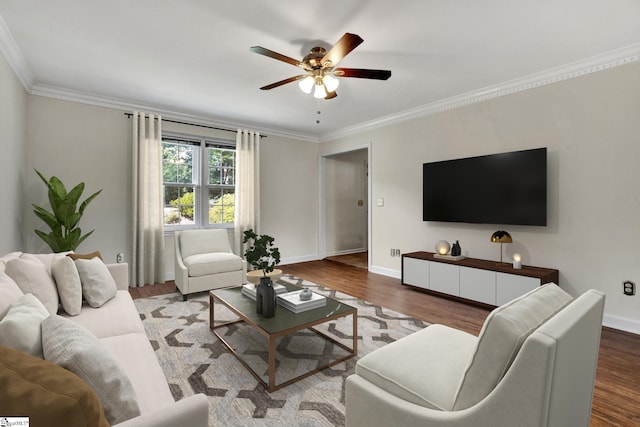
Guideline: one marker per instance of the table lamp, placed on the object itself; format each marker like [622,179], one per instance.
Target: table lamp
[501,237]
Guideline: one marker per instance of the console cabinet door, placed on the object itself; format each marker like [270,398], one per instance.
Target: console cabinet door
[444,278]
[478,285]
[511,286]
[415,272]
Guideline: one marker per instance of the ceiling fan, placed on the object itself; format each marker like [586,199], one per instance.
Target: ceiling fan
[320,67]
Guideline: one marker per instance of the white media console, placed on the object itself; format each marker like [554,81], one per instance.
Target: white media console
[471,279]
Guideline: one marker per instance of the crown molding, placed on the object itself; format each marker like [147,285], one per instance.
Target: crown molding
[13,55]
[605,61]
[65,94]
[590,65]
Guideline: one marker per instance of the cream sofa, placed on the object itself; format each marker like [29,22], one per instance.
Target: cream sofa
[533,364]
[118,327]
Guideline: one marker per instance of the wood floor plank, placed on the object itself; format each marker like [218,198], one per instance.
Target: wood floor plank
[616,399]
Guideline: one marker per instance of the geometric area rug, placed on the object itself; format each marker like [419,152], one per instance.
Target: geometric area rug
[194,360]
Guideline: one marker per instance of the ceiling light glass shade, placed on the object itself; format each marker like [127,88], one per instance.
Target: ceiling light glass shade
[330,82]
[306,84]
[320,92]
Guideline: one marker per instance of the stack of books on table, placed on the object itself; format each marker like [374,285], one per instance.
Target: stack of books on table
[249,289]
[291,301]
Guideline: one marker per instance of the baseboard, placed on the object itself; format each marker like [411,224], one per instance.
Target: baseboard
[295,260]
[396,274]
[347,252]
[621,323]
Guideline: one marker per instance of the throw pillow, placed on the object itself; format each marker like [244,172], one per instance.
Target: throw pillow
[20,328]
[32,277]
[9,292]
[67,280]
[98,285]
[92,255]
[73,347]
[48,394]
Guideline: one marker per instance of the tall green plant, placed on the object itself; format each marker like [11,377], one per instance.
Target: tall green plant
[63,219]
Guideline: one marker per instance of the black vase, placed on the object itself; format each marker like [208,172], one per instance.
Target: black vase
[265,298]
[456,250]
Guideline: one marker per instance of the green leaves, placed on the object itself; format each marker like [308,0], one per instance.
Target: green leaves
[262,255]
[63,219]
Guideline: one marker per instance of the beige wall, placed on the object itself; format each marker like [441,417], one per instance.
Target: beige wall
[13,125]
[591,125]
[79,142]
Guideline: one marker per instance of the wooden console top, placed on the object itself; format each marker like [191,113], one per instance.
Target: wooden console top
[544,274]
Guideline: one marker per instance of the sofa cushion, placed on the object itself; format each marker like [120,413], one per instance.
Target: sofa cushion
[501,337]
[9,292]
[20,328]
[194,242]
[67,280]
[32,277]
[71,346]
[212,263]
[423,368]
[134,353]
[48,394]
[98,285]
[118,316]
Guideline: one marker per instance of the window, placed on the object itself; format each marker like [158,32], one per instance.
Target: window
[198,182]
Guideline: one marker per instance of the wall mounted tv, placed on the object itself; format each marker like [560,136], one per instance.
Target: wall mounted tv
[505,188]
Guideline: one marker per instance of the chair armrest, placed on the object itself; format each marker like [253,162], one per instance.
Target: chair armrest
[120,274]
[180,271]
[192,411]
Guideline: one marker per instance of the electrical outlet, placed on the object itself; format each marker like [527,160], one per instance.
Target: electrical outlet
[120,258]
[398,252]
[628,288]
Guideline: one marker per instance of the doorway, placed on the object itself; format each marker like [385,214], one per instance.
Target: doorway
[344,204]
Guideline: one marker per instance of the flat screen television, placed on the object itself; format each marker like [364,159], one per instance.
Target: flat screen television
[505,188]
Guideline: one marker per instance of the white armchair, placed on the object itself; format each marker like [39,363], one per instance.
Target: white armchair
[533,364]
[204,261]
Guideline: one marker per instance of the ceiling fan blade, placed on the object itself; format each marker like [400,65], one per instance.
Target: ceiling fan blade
[282,82]
[275,55]
[346,44]
[331,95]
[362,73]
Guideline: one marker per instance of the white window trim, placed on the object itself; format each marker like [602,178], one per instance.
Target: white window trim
[201,184]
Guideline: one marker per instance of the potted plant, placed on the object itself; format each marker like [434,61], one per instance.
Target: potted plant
[263,256]
[63,219]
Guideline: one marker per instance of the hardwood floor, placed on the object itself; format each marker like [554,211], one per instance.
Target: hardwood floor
[616,399]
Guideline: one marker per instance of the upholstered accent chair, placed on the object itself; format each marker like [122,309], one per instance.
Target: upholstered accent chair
[533,364]
[204,261]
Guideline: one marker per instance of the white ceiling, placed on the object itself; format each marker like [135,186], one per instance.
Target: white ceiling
[191,58]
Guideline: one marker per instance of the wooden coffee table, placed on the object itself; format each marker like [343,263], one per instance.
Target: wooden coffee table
[284,323]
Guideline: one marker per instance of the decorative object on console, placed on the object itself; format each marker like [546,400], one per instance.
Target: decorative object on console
[442,247]
[305,295]
[517,261]
[456,250]
[501,237]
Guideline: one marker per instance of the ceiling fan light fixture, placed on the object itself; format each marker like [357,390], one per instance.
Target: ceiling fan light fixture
[320,91]
[330,82]
[306,84]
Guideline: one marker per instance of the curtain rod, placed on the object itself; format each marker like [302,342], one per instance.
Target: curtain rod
[129,115]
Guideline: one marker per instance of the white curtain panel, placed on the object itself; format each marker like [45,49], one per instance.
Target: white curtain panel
[247,209]
[147,264]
